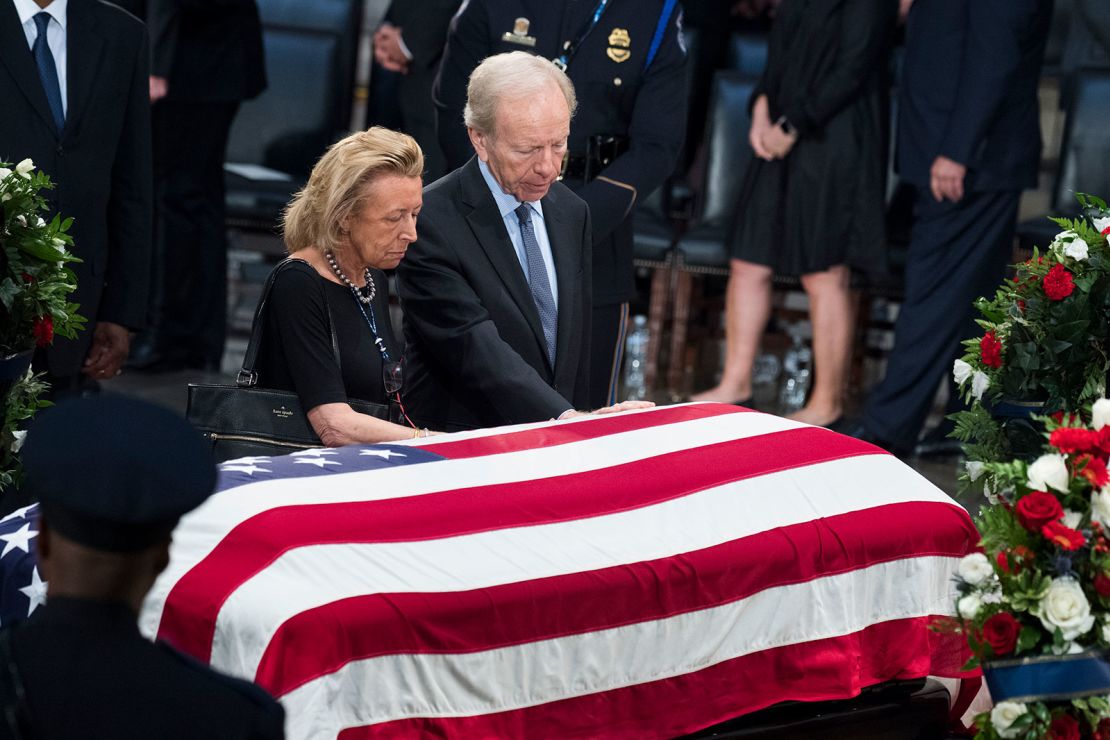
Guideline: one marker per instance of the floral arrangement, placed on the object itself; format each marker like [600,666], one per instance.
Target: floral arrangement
[1044,334]
[35,284]
[1041,586]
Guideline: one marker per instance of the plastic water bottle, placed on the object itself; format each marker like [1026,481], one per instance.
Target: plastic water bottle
[635,359]
[797,365]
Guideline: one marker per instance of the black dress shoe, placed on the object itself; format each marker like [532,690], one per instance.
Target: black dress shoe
[937,443]
[859,430]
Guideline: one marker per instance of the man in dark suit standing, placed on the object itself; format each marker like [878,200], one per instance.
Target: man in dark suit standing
[496,289]
[73,81]
[627,61]
[206,59]
[968,141]
[410,44]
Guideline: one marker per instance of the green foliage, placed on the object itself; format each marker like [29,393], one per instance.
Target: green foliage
[21,402]
[35,284]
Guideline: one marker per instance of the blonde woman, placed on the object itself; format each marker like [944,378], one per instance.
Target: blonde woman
[354,218]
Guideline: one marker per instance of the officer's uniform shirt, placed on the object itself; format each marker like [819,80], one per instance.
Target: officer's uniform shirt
[88,673]
[616,96]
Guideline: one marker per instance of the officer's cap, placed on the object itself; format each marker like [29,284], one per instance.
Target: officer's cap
[116,473]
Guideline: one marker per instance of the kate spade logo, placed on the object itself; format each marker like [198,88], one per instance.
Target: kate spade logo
[281,412]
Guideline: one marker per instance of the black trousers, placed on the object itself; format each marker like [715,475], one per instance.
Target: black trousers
[958,252]
[189,308]
[606,353]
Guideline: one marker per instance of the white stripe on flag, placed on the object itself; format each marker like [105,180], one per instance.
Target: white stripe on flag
[396,686]
[202,530]
[308,577]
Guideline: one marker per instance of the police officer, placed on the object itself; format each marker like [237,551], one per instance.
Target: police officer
[113,475]
[627,61]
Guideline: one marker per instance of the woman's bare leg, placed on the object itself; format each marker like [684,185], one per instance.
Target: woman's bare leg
[747,308]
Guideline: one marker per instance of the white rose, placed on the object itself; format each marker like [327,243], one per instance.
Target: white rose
[1100,506]
[4,172]
[1101,224]
[992,497]
[1072,519]
[975,569]
[1049,471]
[1065,606]
[974,469]
[17,439]
[1100,413]
[979,384]
[961,371]
[1062,239]
[1077,249]
[1003,716]
[1106,633]
[1068,648]
[968,606]
[39,222]
[24,168]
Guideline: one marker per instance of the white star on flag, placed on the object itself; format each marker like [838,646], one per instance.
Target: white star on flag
[20,539]
[17,514]
[316,452]
[35,591]
[386,454]
[249,469]
[247,460]
[317,461]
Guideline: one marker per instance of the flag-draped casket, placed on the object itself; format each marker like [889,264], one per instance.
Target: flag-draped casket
[644,574]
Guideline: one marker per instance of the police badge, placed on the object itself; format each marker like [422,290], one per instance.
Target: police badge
[619,43]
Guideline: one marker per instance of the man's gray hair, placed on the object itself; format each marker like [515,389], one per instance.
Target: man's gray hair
[514,75]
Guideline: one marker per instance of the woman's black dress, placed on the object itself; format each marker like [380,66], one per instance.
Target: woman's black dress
[823,205]
[296,353]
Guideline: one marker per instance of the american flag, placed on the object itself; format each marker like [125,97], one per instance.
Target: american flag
[645,574]
[22,589]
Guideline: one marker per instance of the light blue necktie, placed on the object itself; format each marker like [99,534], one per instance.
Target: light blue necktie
[538,280]
[48,73]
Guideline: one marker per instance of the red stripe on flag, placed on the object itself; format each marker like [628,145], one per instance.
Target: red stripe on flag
[320,641]
[189,614]
[821,670]
[561,434]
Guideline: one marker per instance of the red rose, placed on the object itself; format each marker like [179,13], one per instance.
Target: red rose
[1037,508]
[1070,439]
[1063,536]
[990,349]
[1057,283]
[1102,584]
[43,329]
[28,278]
[1106,231]
[1064,727]
[1094,470]
[1001,633]
[1102,732]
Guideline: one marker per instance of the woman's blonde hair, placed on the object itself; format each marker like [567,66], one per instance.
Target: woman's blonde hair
[314,218]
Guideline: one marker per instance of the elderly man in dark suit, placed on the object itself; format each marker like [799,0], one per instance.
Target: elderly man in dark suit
[496,289]
[969,141]
[73,81]
[627,60]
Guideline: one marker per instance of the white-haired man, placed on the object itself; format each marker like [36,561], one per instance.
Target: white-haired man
[496,289]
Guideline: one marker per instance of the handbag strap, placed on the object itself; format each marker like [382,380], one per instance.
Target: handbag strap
[248,376]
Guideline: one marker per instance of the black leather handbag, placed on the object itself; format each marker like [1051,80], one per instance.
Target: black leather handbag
[244,420]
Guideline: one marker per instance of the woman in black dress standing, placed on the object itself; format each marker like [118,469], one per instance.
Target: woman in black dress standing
[354,218]
[812,202]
